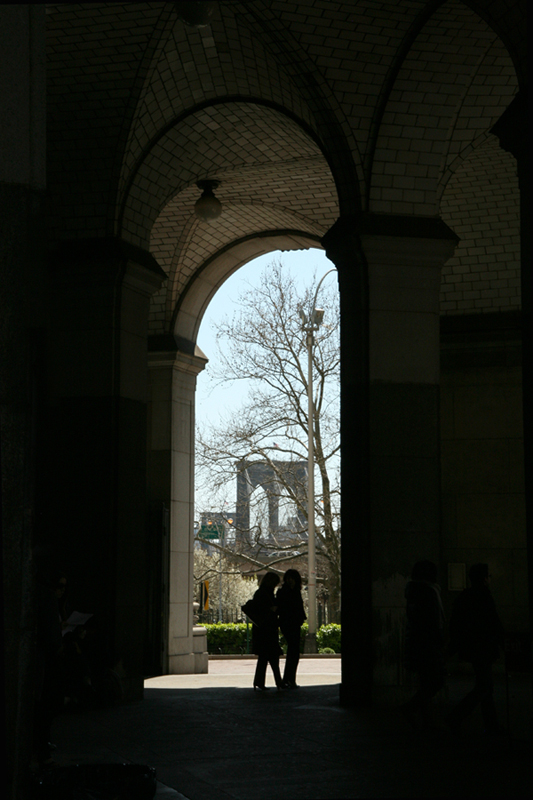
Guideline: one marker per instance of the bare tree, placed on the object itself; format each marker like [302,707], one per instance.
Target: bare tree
[261,448]
[228,591]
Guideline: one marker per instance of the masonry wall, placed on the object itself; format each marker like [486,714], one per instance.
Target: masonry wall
[481,205]
[483,500]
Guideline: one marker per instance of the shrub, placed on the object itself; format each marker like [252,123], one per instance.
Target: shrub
[227,637]
[329,636]
[303,633]
[230,638]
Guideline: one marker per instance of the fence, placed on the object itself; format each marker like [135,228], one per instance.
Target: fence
[212,616]
[325,616]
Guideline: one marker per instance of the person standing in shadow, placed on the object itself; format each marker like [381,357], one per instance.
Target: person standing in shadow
[424,641]
[476,634]
[265,636]
[291,617]
[49,667]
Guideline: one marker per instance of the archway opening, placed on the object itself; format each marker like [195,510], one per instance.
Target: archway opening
[269,460]
[277,193]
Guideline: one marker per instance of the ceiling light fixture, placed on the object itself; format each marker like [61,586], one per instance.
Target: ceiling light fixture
[207,207]
[196,13]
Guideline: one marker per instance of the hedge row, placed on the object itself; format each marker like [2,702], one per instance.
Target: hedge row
[231,638]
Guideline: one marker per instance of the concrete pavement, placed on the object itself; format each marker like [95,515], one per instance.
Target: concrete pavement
[238,672]
[210,737]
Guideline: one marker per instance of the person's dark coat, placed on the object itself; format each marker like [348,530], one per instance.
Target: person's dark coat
[48,624]
[291,612]
[49,668]
[476,632]
[265,638]
[424,641]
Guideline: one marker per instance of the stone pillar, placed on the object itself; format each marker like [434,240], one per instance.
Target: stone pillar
[171,484]
[389,277]
[23,306]
[97,440]
[512,132]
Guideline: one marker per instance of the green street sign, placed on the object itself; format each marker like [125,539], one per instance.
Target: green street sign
[211,531]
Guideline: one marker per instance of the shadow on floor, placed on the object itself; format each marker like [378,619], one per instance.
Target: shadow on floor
[222,743]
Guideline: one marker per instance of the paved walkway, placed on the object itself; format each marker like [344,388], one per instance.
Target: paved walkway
[210,737]
[239,672]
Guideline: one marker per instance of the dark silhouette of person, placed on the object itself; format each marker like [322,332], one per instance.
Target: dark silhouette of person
[63,602]
[49,668]
[476,634]
[265,636]
[291,617]
[424,640]
[78,682]
[76,668]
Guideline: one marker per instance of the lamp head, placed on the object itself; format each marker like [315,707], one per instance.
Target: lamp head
[207,207]
[317,316]
[196,13]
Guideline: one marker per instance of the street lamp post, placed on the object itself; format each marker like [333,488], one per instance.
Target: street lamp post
[310,324]
[220,587]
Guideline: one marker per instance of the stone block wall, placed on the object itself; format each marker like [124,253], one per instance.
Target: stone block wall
[483,500]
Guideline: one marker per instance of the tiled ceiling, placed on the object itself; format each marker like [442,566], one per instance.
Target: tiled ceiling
[302,110]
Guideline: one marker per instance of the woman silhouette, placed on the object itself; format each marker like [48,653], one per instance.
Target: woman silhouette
[291,616]
[265,638]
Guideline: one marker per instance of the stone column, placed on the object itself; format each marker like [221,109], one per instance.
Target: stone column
[389,277]
[97,440]
[512,132]
[171,484]
[23,307]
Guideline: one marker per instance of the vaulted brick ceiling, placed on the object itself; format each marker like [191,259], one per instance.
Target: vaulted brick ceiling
[302,110]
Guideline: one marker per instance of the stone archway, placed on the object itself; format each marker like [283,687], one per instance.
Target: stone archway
[174,363]
[267,106]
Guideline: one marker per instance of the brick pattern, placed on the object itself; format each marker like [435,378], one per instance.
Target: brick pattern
[94,52]
[181,242]
[271,157]
[442,93]
[396,104]
[508,19]
[481,204]
[198,66]
[453,86]
[350,49]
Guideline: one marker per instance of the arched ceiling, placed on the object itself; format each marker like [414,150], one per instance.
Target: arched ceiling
[374,82]
[452,86]
[303,111]
[196,67]
[258,154]
[187,314]
[482,205]
[279,181]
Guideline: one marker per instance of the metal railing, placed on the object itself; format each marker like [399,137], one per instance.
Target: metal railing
[325,616]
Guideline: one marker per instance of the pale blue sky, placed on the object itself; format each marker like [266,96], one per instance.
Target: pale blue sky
[302,264]
[214,403]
